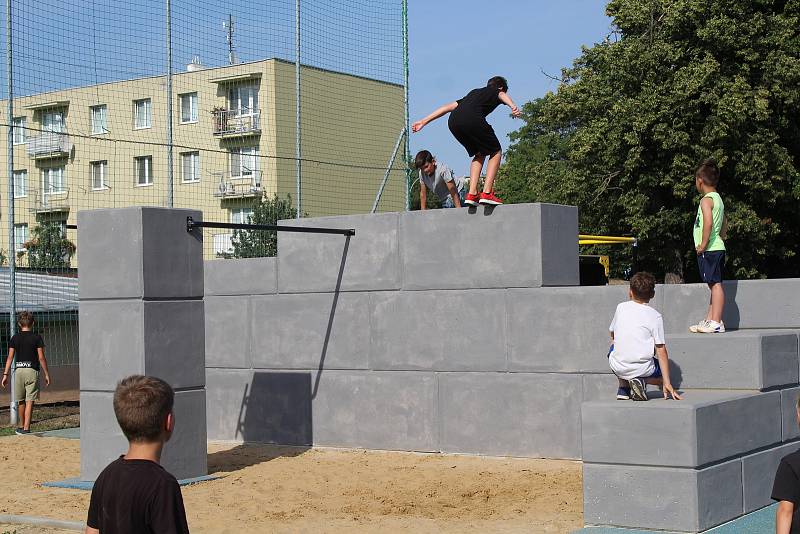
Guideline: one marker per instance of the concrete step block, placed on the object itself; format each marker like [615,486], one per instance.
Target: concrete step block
[705,427]
[520,245]
[791,429]
[662,498]
[228,326]
[758,475]
[251,276]
[744,359]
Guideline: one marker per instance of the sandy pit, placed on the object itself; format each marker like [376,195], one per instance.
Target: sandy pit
[274,489]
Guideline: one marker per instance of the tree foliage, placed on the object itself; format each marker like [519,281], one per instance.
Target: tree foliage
[259,243]
[49,248]
[676,82]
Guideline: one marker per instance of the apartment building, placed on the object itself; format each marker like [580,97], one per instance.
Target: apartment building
[105,145]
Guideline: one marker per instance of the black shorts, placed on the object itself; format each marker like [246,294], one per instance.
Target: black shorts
[710,265]
[474,134]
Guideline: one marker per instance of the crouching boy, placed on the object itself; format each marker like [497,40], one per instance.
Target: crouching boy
[637,333]
[134,494]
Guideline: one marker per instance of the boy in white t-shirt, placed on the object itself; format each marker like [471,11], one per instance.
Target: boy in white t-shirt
[637,334]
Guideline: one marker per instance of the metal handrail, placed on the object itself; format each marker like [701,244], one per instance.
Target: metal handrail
[236,121]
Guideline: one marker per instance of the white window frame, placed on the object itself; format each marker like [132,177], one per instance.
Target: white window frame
[48,174]
[21,184]
[102,165]
[20,133]
[20,231]
[99,120]
[51,125]
[147,161]
[237,215]
[238,157]
[146,113]
[243,94]
[193,159]
[192,101]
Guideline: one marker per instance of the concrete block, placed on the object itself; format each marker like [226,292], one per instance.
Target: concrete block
[139,252]
[439,330]
[174,342]
[598,387]
[662,498]
[185,454]
[367,261]
[791,429]
[102,441]
[227,339]
[377,410]
[758,475]
[310,330]
[521,245]
[744,359]
[251,276]
[517,414]
[711,426]
[561,329]
[260,406]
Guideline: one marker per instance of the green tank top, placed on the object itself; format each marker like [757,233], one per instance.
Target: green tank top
[715,242]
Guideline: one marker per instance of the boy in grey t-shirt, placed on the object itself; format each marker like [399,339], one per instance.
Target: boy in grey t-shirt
[440,179]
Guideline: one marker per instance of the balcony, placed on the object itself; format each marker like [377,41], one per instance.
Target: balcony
[52,201]
[49,145]
[239,186]
[237,123]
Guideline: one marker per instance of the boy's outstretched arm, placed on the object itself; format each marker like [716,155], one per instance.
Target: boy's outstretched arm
[444,110]
[706,206]
[663,362]
[505,99]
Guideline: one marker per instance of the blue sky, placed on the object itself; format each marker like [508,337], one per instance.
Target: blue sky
[455,46]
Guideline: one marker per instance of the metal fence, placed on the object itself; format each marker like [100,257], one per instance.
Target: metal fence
[249,111]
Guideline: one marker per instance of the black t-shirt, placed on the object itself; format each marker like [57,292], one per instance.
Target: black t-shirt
[25,344]
[136,497]
[787,486]
[480,102]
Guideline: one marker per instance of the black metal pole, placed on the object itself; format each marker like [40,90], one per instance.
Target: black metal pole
[191,224]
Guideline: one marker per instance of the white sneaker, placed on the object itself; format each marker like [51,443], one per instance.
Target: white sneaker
[711,327]
[695,327]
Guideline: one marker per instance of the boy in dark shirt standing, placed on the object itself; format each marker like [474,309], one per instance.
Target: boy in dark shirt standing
[27,347]
[134,494]
[786,490]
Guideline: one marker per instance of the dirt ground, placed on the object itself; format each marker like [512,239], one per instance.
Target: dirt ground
[272,489]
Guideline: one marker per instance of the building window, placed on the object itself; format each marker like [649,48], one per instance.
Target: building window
[20,184]
[53,121]
[53,181]
[144,170]
[19,125]
[20,236]
[141,113]
[241,215]
[243,100]
[190,165]
[189,108]
[98,175]
[99,119]
[244,162]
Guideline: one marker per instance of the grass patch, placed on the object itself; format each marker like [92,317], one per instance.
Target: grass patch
[54,416]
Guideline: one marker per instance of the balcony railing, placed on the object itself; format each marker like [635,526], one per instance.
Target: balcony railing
[238,187]
[49,145]
[52,200]
[235,122]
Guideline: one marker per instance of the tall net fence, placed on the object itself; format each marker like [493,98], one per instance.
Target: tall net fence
[248,111]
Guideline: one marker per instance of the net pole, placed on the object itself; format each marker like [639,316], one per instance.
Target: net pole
[170,159]
[297,140]
[406,146]
[12,249]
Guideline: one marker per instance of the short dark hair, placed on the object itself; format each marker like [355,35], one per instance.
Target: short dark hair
[422,157]
[708,171]
[25,319]
[498,82]
[643,286]
[141,404]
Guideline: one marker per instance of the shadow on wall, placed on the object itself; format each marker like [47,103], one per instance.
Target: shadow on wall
[730,314]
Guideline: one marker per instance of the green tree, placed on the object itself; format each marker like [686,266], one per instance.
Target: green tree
[676,82]
[258,243]
[49,248]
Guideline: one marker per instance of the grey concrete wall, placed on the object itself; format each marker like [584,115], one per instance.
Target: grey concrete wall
[141,312]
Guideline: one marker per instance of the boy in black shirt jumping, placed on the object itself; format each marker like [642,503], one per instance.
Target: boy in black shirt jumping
[786,490]
[27,347]
[134,494]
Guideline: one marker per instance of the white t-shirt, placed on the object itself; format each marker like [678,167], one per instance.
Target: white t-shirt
[637,328]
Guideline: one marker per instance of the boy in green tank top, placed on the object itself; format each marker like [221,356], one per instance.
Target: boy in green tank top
[710,227]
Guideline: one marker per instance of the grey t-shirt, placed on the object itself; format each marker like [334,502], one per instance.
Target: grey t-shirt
[437,181]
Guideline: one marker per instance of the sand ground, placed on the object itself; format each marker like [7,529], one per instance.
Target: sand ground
[274,489]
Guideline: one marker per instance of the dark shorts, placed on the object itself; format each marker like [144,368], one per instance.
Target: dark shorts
[656,371]
[474,134]
[710,265]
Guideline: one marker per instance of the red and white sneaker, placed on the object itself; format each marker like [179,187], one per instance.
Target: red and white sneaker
[471,199]
[490,199]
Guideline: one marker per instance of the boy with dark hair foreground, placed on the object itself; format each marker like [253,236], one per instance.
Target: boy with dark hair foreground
[134,494]
[637,333]
[27,348]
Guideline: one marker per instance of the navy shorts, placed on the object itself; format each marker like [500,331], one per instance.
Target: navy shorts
[656,372]
[710,265]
